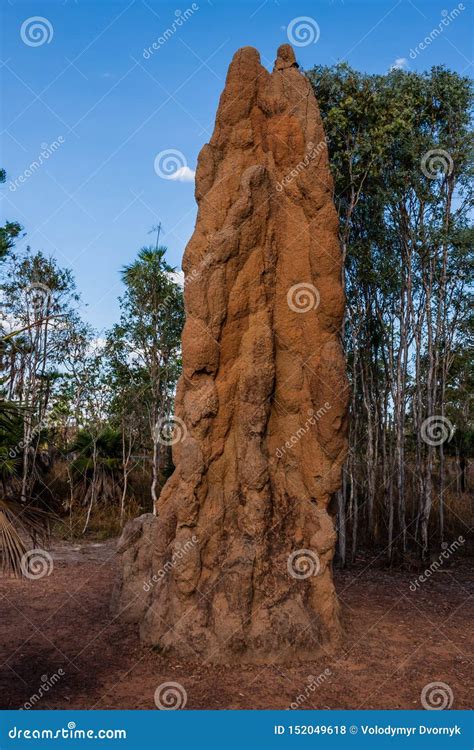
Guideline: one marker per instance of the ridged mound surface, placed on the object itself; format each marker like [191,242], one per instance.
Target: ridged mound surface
[237,563]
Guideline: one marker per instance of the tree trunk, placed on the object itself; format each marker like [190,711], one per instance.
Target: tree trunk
[154,473]
[93,486]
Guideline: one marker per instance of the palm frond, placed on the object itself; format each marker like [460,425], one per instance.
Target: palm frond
[17,524]
[12,545]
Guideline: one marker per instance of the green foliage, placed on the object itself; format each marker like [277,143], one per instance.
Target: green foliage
[17,523]
[11,434]
[107,446]
[400,149]
[144,351]
[152,309]
[144,348]
[9,231]
[379,129]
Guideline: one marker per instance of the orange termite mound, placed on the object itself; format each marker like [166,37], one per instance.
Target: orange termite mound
[237,562]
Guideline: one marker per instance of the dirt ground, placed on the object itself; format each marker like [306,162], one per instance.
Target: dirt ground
[58,631]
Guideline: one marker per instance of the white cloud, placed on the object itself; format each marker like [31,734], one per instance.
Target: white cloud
[97,344]
[178,277]
[183,174]
[401,63]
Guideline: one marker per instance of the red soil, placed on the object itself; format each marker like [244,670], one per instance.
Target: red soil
[397,641]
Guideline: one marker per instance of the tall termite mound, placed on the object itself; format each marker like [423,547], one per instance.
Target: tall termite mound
[237,562]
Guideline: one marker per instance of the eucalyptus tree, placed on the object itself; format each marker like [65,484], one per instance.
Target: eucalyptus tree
[17,522]
[146,344]
[399,147]
[39,300]
[127,409]
[93,435]
[9,231]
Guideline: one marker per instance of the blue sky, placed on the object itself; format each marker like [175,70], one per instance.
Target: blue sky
[106,108]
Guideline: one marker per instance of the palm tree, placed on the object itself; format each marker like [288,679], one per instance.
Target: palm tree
[98,460]
[19,522]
